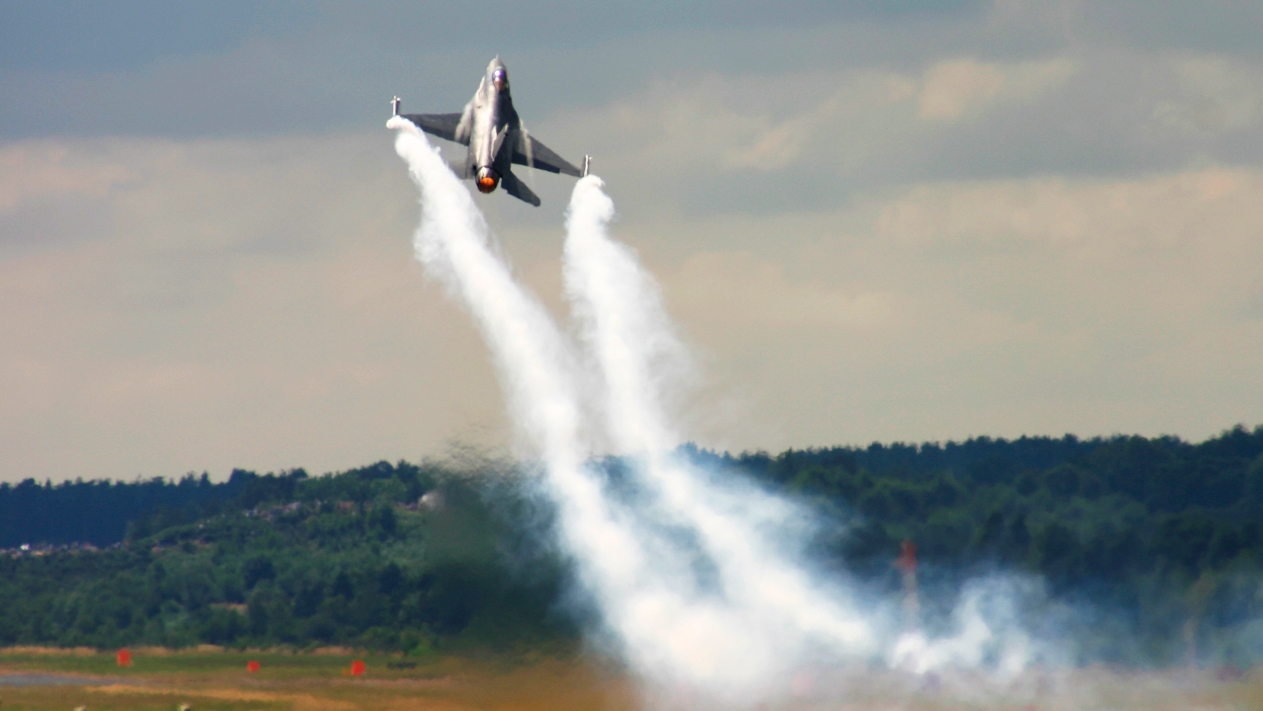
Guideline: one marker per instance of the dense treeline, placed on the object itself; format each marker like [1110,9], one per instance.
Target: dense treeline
[1070,509]
[1158,543]
[99,512]
[358,558]
[103,512]
[1163,538]
[95,512]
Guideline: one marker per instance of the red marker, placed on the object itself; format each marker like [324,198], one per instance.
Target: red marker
[252,666]
[357,668]
[907,564]
[907,557]
[124,657]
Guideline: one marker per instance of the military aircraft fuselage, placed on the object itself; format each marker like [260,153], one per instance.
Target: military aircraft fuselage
[490,127]
[493,127]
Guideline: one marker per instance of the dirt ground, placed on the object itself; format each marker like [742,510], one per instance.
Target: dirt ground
[213,680]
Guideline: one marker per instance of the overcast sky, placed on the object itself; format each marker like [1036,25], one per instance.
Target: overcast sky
[874,221]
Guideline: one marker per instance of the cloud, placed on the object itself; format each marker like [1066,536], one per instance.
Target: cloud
[1000,307]
[857,101]
[323,66]
[952,88]
[761,297]
[244,303]
[37,170]
[1200,208]
[1020,218]
[1213,95]
[254,303]
[126,35]
[813,139]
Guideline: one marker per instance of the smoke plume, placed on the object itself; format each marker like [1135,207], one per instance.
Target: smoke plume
[701,578]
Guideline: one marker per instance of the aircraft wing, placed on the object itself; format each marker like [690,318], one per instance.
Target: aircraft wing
[532,153]
[441,125]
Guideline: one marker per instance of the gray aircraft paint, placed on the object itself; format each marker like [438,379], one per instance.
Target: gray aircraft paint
[490,127]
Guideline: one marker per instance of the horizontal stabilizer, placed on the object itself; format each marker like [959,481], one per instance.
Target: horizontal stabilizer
[515,187]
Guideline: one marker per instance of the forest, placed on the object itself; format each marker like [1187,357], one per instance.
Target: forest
[1156,541]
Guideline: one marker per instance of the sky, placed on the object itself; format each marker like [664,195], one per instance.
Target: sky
[900,221]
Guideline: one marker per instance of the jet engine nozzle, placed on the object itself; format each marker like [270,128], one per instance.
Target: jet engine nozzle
[487,180]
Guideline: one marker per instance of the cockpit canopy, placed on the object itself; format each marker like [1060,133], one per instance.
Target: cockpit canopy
[500,78]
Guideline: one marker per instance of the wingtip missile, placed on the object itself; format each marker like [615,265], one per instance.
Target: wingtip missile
[587,166]
[394,105]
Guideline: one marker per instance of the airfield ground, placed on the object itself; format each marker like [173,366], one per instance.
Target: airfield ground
[208,679]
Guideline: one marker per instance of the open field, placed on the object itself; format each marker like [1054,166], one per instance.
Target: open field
[213,680]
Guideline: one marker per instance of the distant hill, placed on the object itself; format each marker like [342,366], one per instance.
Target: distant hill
[1153,534]
[1166,474]
[364,557]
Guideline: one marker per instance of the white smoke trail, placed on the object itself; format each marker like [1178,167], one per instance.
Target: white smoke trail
[738,639]
[778,613]
[531,357]
[634,573]
[985,627]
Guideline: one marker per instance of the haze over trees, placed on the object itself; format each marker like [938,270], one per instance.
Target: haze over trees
[1141,538]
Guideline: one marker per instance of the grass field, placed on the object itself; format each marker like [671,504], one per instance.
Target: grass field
[208,680]
[211,680]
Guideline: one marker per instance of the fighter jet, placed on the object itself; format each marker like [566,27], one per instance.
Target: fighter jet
[491,128]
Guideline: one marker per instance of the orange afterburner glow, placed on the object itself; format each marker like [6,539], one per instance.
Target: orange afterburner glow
[487,181]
